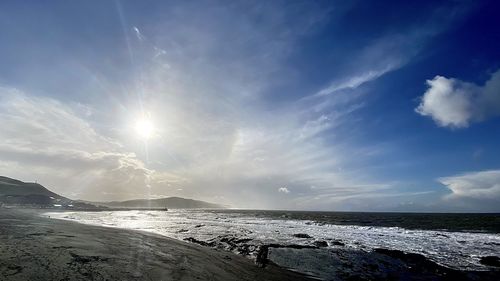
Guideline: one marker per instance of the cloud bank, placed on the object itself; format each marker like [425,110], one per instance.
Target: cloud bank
[454,103]
[475,185]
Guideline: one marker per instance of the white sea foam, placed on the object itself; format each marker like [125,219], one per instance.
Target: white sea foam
[460,250]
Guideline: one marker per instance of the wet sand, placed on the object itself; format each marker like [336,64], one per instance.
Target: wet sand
[35,248]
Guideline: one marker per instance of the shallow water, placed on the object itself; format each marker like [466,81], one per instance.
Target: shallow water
[454,249]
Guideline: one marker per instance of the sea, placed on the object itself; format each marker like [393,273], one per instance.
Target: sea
[456,241]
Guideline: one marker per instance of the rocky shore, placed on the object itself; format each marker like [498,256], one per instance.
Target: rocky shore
[343,263]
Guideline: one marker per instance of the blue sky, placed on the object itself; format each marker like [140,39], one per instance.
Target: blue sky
[317,105]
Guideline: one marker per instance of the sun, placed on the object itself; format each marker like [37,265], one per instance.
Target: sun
[144,128]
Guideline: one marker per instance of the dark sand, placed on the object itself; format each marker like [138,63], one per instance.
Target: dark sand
[35,248]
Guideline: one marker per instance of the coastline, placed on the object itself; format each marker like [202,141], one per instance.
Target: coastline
[37,248]
[337,254]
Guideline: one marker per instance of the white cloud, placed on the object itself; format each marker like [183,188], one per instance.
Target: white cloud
[456,104]
[357,80]
[475,185]
[138,33]
[283,190]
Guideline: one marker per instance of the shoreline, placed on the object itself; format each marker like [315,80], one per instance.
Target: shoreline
[38,248]
[326,257]
[77,251]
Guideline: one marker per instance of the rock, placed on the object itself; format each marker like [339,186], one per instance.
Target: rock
[490,261]
[337,243]
[199,242]
[85,259]
[262,259]
[397,254]
[320,244]
[291,246]
[242,240]
[302,235]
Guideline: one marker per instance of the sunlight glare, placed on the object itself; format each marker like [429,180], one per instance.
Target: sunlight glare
[144,128]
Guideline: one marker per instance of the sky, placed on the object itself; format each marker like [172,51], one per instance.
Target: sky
[302,105]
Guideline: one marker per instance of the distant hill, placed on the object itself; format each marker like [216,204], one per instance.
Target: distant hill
[16,192]
[169,202]
[14,187]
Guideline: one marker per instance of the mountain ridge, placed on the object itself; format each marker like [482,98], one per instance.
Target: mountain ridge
[173,202]
[13,191]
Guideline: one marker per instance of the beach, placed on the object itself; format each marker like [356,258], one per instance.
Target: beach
[37,248]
